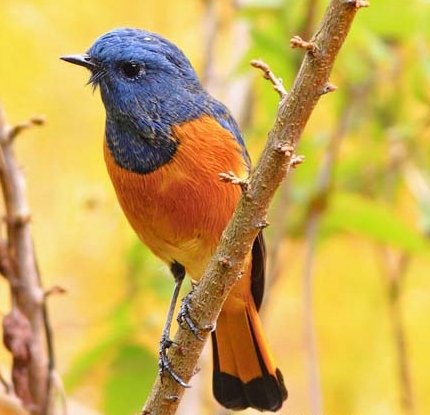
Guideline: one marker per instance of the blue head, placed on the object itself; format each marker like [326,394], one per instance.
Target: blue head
[147,85]
[141,73]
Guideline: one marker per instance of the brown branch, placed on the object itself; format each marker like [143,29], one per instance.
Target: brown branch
[236,241]
[18,264]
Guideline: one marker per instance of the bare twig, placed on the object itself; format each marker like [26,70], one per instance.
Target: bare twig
[394,267]
[327,88]
[18,264]
[298,42]
[236,241]
[230,177]
[360,3]
[8,388]
[278,85]
[19,128]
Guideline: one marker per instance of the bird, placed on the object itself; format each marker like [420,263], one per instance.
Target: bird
[166,142]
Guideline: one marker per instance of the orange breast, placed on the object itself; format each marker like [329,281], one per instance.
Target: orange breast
[180,210]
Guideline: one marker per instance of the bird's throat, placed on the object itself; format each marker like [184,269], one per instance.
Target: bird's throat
[138,150]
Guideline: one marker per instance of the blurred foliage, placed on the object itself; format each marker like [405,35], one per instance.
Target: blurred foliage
[108,325]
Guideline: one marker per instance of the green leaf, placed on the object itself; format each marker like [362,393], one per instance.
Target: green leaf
[353,213]
[132,374]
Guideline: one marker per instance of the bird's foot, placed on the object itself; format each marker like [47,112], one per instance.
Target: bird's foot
[186,321]
[164,364]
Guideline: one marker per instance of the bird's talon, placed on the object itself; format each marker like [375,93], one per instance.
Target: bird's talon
[187,322]
[164,362]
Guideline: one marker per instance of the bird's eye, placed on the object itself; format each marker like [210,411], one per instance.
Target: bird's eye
[131,70]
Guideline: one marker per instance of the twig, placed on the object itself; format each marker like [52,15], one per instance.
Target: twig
[394,267]
[327,88]
[8,388]
[298,42]
[278,85]
[230,177]
[360,3]
[19,265]
[19,128]
[237,239]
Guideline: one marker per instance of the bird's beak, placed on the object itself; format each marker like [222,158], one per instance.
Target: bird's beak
[83,59]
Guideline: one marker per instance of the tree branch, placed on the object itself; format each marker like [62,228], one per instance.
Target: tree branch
[236,241]
[26,328]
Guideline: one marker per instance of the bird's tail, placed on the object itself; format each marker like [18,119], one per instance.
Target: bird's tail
[245,374]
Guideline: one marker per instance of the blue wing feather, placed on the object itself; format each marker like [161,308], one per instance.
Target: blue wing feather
[221,113]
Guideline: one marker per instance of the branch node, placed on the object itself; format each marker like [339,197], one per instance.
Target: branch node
[285,148]
[230,177]
[19,219]
[172,398]
[296,160]
[262,224]
[19,128]
[358,4]
[278,85]
[54,290]
[328,87]
[225,262]
[298,42]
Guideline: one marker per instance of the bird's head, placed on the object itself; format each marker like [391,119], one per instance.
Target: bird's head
[141,74]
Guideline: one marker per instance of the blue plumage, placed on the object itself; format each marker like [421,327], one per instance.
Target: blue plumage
[148,85]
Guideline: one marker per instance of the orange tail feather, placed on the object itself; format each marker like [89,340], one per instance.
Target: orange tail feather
[245,374]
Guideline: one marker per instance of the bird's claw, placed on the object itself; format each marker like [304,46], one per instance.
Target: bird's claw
[186,321]
[164,364]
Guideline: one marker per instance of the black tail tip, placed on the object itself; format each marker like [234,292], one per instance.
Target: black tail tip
[266,393]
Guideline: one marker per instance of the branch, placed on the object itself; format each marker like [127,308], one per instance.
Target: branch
[237,239]
[26,328]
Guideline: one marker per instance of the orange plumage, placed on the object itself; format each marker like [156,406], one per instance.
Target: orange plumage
[179,211]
